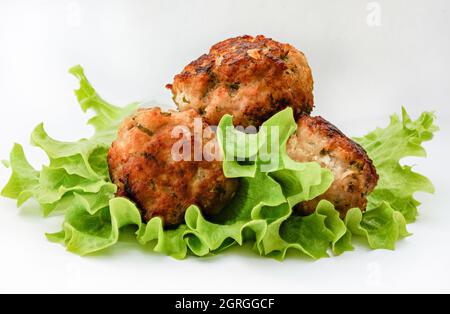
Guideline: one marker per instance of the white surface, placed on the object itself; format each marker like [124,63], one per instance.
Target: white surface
[131,49]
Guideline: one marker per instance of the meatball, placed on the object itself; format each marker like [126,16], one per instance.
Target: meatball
[354,174]
[251,78]
[142,165]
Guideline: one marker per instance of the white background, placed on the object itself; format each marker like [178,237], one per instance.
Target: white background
[131,49]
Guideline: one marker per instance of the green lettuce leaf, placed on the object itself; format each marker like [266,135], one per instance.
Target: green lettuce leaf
[76,184]
[74,167]
[108,117]
[246,218]
[24,181]
[386,147]
[381,226]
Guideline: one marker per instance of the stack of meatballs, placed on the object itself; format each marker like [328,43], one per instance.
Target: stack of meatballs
[250,78]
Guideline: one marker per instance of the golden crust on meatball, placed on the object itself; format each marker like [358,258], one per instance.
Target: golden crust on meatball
[251,78]
[354,173]
[142,166]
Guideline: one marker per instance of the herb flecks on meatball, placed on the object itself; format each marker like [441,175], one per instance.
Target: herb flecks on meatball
[143,167]
[317,140]
[251,78]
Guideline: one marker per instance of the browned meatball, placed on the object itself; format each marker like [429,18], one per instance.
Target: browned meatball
[251,78]
[142,166]
[354,174]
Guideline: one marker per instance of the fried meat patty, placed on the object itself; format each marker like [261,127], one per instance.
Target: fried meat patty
[251,78]
[142,166]
[354,174]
